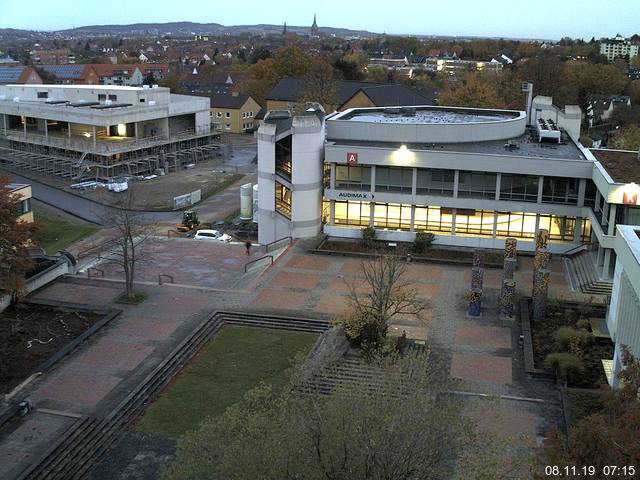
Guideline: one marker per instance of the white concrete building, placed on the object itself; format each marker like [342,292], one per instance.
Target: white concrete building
[472,177]
[618,47]
[101,131]
[623,318]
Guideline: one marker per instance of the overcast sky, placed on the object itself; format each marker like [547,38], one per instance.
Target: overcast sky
[494,18]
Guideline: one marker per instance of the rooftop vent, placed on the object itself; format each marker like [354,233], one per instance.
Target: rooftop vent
[548,130]
[274,115]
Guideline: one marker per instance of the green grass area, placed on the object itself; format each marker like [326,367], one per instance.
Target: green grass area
[583,402]
[55,234]
[238,359]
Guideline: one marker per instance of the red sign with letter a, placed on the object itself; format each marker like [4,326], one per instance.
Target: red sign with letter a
[630,198]
[352,158]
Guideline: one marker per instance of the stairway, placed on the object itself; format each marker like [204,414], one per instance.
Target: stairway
[584,274]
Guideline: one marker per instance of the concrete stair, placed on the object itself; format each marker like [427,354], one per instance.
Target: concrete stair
[584,275]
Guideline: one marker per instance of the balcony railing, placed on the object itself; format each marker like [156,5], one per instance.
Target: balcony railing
[103,145]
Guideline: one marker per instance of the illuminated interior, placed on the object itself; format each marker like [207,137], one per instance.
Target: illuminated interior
[395,216]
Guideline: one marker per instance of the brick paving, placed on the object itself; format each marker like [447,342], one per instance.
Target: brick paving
[108,366]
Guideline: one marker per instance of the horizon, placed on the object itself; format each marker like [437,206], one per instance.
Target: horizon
[516,24]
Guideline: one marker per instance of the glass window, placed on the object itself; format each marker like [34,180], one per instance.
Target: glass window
[392,216]
[283,157]
[560,228]
[432,219]
[283,200]
[394,179]
[516,224]
[590,194]
[519,187]
[352,213]
[585,235]
[560,190]
[353,178]
[477,184]
[435,181]
[474,222]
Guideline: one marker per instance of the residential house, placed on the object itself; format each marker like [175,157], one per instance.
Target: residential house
[72,74]
[600,107]
[233,113]
[350,94]
[23,192]
[18,75]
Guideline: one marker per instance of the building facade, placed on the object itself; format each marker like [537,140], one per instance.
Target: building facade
[233,113]
[472,177]
[100,132]
[618,47]
[23,192]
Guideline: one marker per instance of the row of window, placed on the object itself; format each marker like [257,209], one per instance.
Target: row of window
[470,184]
[228,114]
[393,216]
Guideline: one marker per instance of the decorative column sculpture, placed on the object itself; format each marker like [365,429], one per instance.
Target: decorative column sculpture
[478,258]
[510,247]
[477,277]
[507,298]
[475,302]
[540,291]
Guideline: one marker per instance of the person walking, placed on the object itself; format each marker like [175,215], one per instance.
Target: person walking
[247,245]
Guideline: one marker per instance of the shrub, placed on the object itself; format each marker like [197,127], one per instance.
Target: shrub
[565,364]
[368,237]
[568,338]
[423,242]
[361,328]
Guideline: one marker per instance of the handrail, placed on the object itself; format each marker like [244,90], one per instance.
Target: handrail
[164,275]
[95,269]
[574,249]
[256,261]
[266,247]
[99,247]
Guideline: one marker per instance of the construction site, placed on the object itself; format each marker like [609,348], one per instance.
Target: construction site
[99,133]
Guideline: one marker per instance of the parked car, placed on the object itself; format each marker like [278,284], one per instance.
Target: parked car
[212,236]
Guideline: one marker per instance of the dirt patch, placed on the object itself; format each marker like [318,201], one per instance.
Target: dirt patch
[568,316]
[30,334]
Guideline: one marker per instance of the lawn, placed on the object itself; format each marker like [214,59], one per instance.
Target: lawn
[235,361]
[55,234]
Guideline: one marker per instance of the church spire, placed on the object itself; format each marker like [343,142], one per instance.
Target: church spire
[284,30]
[314,28]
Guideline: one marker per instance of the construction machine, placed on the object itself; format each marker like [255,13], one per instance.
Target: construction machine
[189,221]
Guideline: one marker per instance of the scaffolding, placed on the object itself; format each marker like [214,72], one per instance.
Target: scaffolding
[170,155]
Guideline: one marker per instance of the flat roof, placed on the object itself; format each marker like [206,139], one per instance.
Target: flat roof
[622,165]
[426,115]
[87,87]
[16,186]
[522,146]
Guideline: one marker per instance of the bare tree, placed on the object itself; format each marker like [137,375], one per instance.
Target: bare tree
[129,233]
[386,294]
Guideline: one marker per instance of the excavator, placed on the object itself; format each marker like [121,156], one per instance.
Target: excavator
[189,221]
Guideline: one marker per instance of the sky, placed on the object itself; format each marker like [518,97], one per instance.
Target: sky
[543,19]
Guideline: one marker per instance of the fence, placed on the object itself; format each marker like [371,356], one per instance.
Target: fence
[258,262]
[269,247]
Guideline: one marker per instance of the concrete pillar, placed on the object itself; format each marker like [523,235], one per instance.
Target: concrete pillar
[453,220]
[582,188]
[606,264]
[332,179]
[373,180]
[577,234]
[135,129]
[600,256]
[4,117]
[46,128]
[24,127]
[498,182]
[456,180]
[372,208]
[414,183]
[413,219]
[95,140]
[332,211]
[612,219]
[540,187]
[495,224]
[69,130]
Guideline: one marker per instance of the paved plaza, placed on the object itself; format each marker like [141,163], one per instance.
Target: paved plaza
[483,352]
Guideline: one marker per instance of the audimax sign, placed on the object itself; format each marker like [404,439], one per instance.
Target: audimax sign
[355,195]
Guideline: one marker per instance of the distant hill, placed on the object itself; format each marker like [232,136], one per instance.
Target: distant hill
[178,29]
